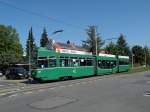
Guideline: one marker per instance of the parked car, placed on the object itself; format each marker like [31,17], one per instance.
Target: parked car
[16,73]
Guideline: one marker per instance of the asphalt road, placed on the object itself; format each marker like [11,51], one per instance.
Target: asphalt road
[123,93]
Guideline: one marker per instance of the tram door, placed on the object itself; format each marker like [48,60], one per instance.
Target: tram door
[95,65]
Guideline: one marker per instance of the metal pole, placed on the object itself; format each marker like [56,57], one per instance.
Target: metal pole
[132,60]
[145,58]
[29,59]
[95,41]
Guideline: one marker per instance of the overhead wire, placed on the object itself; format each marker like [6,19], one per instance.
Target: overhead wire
[39,15]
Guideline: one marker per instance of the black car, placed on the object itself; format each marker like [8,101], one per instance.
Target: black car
[16,73]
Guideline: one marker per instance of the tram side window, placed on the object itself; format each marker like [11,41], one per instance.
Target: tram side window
[104,64]
[107,65]
[74,61]
[113,64]
[101,63]
[64,61]
[52,61]
[42,62]
[82,62]
[89,62]
[123,62]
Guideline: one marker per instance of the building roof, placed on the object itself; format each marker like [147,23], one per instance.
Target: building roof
[70,46]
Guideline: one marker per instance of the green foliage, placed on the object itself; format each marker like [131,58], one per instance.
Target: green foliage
[111,48]
[31,47]
[44,38]
[93,38]
[147,55]
[122,46]
[10,48]
[138,54]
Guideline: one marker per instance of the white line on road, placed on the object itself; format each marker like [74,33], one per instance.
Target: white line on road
[83,82]
[2,94]
[2,85]
[62,86]
[29,92]
[53,88]
[91,81]
[12,95]
[41,90]
[70,85]
[148,82]
[77,83]
[10,84]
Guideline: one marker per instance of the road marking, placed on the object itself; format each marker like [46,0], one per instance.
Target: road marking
[2,85]
[29,92]
[12,95]
[148,82]
[77,83]
[91,81]
[70,85]
[62,86]
[147,94]
[2,94]
[53,88]
[17,89]
[41,90]
[83,82]
[10,84]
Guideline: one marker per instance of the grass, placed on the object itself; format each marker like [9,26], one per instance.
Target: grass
[138,69]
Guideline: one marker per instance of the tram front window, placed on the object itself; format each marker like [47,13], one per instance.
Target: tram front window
[42,62]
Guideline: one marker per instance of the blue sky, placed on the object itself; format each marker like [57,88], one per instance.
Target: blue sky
[130,17]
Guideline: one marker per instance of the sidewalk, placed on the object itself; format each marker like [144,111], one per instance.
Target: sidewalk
[2,78]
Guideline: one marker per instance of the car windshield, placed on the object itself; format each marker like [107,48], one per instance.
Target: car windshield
[20,70]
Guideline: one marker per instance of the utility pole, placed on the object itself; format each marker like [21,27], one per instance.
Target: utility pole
[145,58]
[95,40]
[29,58]
[132,60]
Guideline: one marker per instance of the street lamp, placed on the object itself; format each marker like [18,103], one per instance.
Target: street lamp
[51,40]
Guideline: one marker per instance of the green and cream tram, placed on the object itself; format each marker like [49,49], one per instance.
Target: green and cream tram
[62,64]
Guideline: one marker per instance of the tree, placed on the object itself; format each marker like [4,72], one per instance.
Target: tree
[68,42]
[10,48]
[44,38]
[30,46]
[92,40]
[111,48]
[146,55]
[122,46]
[138,53]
